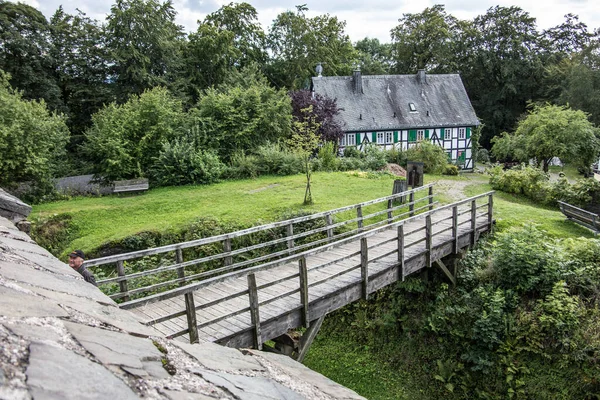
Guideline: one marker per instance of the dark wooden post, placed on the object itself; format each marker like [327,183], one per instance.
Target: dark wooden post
[329,220]
[227,249]
[389,213]
[428,240]
[290,232]
[401,249]
[123,283]
[430,198]
[473,221]
[359,216]
[254,314]
[364,267]
[190,313]
[455,228]
[180,270]
[411,203]
[304,291]
[490,212]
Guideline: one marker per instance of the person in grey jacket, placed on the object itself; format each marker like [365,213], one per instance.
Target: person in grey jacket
[76,259]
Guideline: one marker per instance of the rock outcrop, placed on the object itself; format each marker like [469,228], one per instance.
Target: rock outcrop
[62,338]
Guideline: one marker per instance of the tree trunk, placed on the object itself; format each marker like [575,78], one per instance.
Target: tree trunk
[546,164]
[307,194]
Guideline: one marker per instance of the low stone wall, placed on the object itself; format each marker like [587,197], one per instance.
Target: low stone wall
[62,338]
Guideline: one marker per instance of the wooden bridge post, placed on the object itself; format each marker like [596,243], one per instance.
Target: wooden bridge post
[430,198]
[227,249]
[329,220]
[473,222]
[411,203]
[428,240]
[254,314]
[304,291]
[490,211]
[290,232]
[359,216]
[123,283]
[181,270]
[364,267]
[455,228]
[190,313]
[401,249]
[389,213]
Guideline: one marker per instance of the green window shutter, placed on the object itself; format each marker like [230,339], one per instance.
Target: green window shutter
[374,137]
[412,135]
[395,136]
[468,133]
[426,133]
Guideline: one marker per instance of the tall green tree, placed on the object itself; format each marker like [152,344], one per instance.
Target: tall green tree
[145,45]
[551,131]
[424,41]
[125,138]
[241,114]
[25,53]
[374,57]
[32,140]
[298,43]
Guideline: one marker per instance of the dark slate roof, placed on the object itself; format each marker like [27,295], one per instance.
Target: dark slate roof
[384,96]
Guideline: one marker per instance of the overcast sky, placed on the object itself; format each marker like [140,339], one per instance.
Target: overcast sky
[372,18]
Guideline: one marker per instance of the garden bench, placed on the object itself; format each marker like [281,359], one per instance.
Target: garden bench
[582,217]
[130,186]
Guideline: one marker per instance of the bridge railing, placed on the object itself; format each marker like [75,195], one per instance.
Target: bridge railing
[220,254]
[475,212]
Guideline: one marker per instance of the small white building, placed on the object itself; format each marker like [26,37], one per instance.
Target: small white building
[401,110]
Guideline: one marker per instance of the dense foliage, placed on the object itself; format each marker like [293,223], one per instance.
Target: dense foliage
[32,141]
[521,322]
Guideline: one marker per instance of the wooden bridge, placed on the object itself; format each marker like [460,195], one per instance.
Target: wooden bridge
[296,274]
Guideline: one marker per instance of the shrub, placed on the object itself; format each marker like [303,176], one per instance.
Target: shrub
[275,160]
[450,169]
[529,181]
[243,166]
[179,163]
[483,156]
[328,158]
[374,158]
[351,152]
[351,164]
[433,157]
[396,156]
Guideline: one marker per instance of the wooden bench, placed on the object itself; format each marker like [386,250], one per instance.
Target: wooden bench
[131,186]
[582,217]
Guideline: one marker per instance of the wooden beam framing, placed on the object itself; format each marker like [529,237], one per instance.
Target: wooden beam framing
[446,272]
[308,337]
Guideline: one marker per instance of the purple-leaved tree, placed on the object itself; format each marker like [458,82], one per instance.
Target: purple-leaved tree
[323,110]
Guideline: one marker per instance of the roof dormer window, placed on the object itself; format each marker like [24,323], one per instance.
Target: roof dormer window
[412,107]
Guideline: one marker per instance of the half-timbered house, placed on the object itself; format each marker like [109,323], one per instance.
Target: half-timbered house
[401,110]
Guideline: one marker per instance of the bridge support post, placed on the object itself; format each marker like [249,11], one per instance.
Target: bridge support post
[490,212]
[180,271]
[304,291]
[227,249]
[411,203]
[428,240]
[401,250]
[308,337]
[190,313]
[430,198]
[446,272]
[359,217]
[329,221]
[123,283]
[364,267]
[473,222]
[455,228]
[290,232]
[254,315]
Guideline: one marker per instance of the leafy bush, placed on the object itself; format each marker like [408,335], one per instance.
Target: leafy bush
[179,163]
[32,142]
[374,158]
[529,181]
[433,157]
[274,160]
[351,164]
[483,156]
[450,169]
[243,166]
[328,158]
[352,152]
[396,156]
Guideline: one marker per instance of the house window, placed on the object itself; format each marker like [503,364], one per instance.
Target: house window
[389,137]
[461,133]
[343,141]
[351,139]
[380,138]
[420,135]
[447,134]
[412,107]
